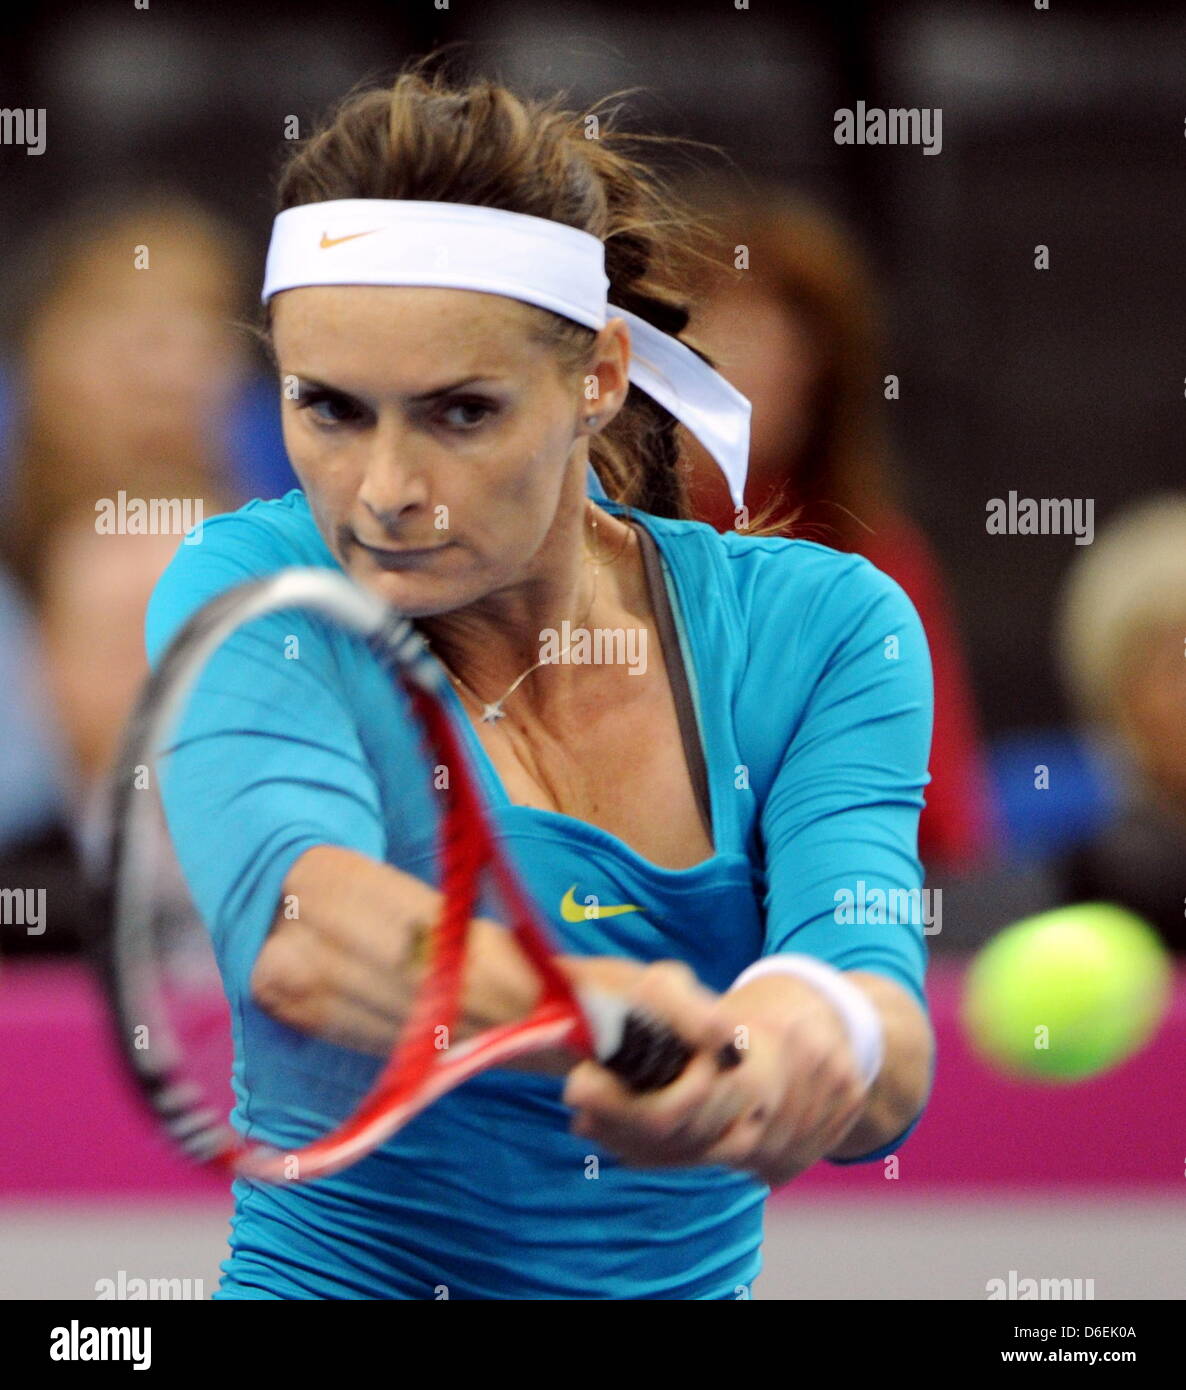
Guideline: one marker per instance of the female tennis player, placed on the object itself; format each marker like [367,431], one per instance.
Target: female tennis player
[477,333]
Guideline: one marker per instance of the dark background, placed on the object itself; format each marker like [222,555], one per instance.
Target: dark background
[1062,127]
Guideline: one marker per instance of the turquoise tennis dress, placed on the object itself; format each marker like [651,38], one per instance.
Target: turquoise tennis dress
[804,685]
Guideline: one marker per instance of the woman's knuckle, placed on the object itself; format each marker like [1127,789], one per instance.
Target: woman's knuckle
[283,982]
[666,1123]
[739,1148]
[671,973]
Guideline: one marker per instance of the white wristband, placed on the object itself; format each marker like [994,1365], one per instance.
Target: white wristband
[865,1029]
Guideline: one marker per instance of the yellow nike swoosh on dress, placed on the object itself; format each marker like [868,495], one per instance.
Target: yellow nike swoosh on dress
[571,910]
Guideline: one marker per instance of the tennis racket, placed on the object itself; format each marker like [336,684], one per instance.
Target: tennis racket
[157,964]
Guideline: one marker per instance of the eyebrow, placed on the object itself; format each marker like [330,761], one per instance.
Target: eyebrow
[432,395]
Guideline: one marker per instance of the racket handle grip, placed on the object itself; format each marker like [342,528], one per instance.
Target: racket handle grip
[650,1055]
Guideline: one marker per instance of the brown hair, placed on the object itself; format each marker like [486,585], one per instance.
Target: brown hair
[427,138]
[804,256]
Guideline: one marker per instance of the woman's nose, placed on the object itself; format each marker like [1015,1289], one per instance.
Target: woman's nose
[397,480]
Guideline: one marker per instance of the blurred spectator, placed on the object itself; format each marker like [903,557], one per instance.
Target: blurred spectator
[90,595]
[798,333]
[30,794]
[127,357]
[1122,632]
[128,362]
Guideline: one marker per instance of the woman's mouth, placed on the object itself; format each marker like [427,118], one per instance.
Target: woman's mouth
[399,557]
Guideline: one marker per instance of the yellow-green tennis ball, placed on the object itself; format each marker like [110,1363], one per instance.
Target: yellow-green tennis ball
[1067,994]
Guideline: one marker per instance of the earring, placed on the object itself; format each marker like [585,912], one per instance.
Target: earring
[591,419]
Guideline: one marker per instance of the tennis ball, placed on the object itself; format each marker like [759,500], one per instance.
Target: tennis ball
[1067,994]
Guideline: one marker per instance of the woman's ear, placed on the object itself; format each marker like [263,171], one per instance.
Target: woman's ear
[608,380]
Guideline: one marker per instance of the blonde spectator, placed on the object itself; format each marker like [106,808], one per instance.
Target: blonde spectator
[1122,641]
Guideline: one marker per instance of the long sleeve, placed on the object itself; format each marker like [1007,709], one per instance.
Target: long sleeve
[268,760]
[840,824]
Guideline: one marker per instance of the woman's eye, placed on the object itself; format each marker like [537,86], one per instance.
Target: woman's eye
[326,408]
[466,415]
[329,408]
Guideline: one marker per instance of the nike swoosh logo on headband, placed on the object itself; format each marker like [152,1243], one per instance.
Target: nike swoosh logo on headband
[327,241]
[571,911]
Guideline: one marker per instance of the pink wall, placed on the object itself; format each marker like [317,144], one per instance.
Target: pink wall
[70,1125]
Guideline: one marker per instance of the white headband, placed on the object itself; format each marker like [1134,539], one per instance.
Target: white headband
[373,241]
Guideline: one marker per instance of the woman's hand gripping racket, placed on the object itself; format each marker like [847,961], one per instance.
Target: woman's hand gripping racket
[155,959]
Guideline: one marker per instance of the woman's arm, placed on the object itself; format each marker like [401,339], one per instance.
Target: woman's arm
[839,828]
[899,1093]
[825,1109]
[341,961]
[797,1097]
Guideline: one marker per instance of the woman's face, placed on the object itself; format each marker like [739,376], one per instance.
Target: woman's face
[436,439]
[1153,698]
[95,589]
[131,367]
[767,351]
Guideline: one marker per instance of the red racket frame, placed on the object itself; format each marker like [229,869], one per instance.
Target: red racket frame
[419,1071]
[640,1049]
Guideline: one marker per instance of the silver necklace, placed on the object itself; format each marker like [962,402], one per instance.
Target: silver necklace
[492,712]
